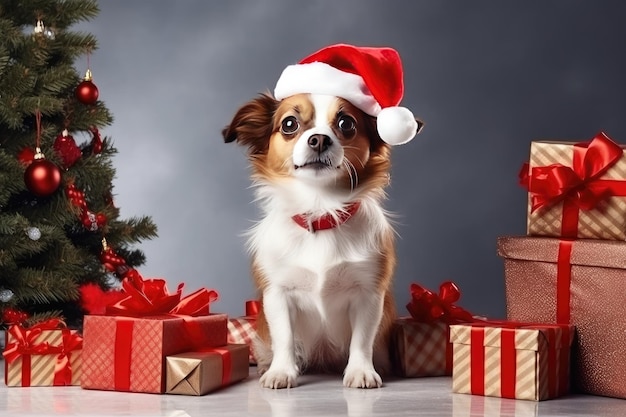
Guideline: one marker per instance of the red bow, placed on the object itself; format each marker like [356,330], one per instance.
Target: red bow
[151,298]
[427,307]
[578,184]
[63,369]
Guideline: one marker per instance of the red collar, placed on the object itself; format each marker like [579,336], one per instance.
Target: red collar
[327,221]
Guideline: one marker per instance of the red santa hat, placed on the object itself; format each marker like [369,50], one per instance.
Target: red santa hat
[369,78]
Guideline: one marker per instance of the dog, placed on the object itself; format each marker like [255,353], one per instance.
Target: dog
[323,254]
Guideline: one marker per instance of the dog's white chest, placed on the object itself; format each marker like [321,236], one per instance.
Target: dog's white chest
[320,265]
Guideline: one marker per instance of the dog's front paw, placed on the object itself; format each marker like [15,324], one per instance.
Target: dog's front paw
[279,378]
[361,378]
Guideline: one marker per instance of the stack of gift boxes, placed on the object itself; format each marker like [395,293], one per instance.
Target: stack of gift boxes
[506,359]
[149,341]
[564,285]
[571,268]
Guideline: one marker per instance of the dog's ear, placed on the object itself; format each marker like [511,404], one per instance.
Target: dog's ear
[252,124]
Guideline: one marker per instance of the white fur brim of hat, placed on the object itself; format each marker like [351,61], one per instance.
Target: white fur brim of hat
[395,125]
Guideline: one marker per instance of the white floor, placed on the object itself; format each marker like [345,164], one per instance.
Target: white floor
[317,395]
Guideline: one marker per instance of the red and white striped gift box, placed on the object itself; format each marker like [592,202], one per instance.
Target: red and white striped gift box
[511,360]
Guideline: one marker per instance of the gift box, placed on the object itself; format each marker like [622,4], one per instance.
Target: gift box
[125,350]
[128,354]
[421,349]
[576,190]
[46,354]
[420,343]
[198,373]
[242,330]
[581,282]
[511,360]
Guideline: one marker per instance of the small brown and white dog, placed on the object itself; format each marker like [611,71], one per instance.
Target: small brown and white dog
[323,253]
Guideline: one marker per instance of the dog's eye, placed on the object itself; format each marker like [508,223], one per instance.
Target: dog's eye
[289,125]
[347,125]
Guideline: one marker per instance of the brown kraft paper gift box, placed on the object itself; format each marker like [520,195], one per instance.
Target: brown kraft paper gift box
[581,282]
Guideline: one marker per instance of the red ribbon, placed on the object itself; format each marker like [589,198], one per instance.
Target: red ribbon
[579,187]
[151,298]
[123,353]
[227,363]
[563,281]
[508,357]
[25,346]
[253,307]
[72,341]
[428,307]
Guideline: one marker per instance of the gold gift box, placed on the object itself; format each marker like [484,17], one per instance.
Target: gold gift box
[198,373]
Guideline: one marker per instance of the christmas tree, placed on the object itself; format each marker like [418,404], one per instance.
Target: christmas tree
[59,227]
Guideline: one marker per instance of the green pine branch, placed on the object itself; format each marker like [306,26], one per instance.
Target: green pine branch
[46,253]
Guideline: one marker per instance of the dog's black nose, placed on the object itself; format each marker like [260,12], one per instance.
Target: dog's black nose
[319,142]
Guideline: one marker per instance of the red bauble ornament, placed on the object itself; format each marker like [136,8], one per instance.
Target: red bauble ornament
[42,177]
[87,92]
[66,148]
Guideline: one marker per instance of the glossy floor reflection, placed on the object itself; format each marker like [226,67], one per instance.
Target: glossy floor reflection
[317,395]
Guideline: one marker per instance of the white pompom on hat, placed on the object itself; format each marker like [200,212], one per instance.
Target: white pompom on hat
[368,77]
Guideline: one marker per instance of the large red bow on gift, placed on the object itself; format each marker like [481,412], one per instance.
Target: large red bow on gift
[151,298]
[579,184]
[427,307]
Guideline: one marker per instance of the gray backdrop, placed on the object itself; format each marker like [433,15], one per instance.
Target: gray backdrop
[487,77]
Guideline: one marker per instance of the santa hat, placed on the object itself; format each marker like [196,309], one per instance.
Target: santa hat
[369,78]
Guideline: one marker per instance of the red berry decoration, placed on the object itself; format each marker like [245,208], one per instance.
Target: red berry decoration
[42,177]
[96,141]
[13,316]
[26,156]
[66,148]
[86,91]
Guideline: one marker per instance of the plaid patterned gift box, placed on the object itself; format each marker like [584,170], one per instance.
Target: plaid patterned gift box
[125,350]
[45,354]
[420,343]
[242,330]
[511,360]
[421,349]
[128,354]
[576,190]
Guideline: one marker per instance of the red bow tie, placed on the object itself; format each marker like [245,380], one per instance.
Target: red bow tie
[327,221]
